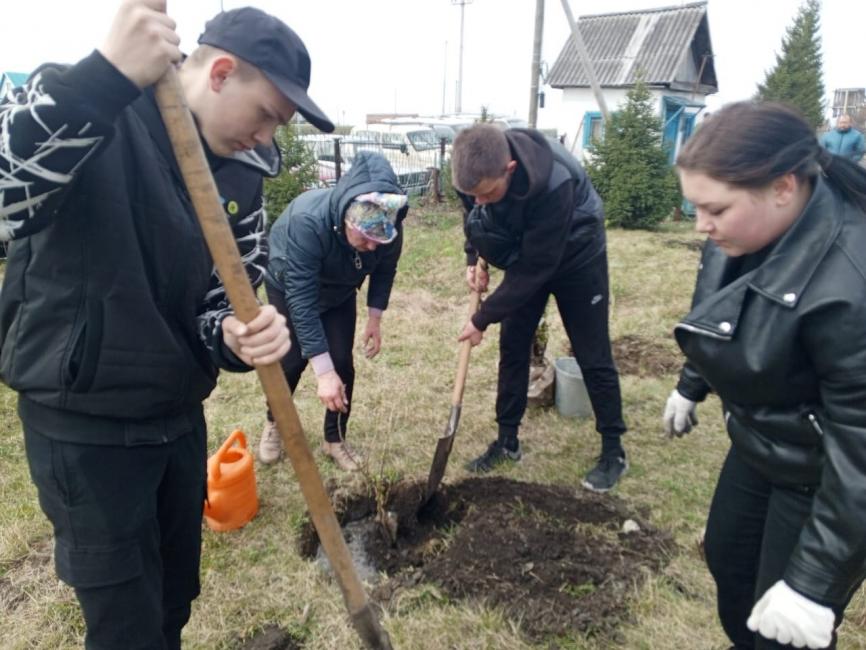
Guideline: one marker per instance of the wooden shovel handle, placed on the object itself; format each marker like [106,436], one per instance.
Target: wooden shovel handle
[196,173]
[466,348]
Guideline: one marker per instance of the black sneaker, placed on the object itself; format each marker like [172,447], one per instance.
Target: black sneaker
[496,454]
[606,473]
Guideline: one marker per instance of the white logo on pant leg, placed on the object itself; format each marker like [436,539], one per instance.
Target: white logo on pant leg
[596,299]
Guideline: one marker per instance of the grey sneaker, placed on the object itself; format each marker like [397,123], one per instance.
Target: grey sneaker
[495,455]
[606,473]
[270,445]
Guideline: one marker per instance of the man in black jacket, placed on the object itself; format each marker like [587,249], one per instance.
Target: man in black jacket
[322,248]
[113,322]
[531,210]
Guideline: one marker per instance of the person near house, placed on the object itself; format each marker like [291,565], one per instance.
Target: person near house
[531,210]
[845,140]
[778,330]
[113,322]
[322,248]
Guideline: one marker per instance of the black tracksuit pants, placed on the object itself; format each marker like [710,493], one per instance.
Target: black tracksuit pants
[582,299]
[752,529]
[339,324]
[127,526]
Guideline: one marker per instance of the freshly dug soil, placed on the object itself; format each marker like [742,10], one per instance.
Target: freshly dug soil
[555,560]
[636,355]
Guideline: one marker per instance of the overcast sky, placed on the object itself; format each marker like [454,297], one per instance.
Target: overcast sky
[402,55]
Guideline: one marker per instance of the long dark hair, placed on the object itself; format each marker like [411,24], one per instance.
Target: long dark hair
[750,144]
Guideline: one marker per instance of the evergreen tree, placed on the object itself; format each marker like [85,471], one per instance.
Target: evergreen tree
[299,172]
[797,78]
[630,168]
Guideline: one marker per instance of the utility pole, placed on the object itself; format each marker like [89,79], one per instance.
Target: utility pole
[458,101]
[536,63]
[444,77]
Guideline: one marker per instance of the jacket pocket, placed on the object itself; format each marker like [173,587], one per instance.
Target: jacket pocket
[82,359]
[87,567]
[8,341]
[493,241]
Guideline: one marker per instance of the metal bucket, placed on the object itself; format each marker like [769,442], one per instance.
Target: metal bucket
[571,399]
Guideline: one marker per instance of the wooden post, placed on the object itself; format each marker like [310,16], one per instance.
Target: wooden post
[583,57]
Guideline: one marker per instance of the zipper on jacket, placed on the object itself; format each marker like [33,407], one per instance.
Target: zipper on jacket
[815,424]
[357,261]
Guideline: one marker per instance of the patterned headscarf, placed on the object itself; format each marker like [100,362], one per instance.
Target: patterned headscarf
[374,215]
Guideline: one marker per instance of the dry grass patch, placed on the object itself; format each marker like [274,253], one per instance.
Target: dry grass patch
[254,580]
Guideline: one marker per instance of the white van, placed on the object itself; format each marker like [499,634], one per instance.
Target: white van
[404,145]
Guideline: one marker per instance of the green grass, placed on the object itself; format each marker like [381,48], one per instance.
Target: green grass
[254,577]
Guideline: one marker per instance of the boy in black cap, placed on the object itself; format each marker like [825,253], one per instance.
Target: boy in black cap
[113,323]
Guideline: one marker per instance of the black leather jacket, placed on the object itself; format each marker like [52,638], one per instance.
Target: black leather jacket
[784,346]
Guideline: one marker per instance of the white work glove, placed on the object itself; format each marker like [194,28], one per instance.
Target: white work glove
[679,417]
[785,616]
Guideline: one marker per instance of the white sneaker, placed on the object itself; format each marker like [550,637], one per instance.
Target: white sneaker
[270,445]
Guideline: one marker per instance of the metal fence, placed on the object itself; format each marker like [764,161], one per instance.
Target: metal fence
[412,159]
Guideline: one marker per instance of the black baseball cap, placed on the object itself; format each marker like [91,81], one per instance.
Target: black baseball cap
[269,44]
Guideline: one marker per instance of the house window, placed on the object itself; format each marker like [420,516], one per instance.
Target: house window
[593,128]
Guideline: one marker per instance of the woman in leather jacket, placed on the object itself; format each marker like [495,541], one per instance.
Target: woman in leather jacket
[778,330]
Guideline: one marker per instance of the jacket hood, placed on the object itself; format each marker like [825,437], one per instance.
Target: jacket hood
[370,172]
[535,160]
[265,159]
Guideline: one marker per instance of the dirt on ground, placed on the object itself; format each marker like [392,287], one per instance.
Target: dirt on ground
[636,355]
[18,571]
[271,637]
[554,560]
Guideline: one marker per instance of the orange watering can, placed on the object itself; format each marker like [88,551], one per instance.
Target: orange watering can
[231,486]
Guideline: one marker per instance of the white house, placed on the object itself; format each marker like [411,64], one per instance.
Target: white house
[669,46]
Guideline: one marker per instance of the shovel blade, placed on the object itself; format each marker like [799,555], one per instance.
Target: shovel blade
[443,451]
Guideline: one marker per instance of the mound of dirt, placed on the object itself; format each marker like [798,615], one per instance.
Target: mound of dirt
[553,559]
[636,355]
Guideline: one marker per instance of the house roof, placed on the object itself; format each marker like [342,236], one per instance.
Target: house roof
[15,78]
[656,41]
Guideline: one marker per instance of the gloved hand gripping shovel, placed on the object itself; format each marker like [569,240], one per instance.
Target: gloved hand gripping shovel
[223,248]
[446,442]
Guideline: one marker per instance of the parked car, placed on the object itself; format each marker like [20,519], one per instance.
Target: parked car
[322,147]
[418,145]
[443,127]
[510,122]
[412,172]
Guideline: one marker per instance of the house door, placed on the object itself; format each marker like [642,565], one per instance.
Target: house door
[679,123]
